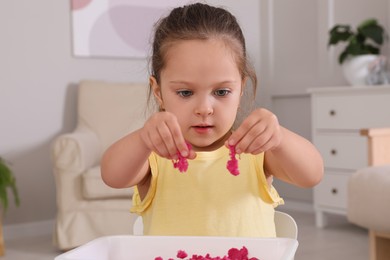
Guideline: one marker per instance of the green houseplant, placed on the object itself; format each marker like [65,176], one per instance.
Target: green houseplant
[367,38]
[7,180]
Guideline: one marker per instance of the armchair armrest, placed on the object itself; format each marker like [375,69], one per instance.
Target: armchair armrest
[378,145]
[76,151]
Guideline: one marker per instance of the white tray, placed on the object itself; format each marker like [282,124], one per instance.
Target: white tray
[149,247]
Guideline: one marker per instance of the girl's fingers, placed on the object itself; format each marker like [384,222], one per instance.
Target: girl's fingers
[158,145]
[248,134]
[153,136]
[253,139]
[180,144]
[166,140]
[272,139]
[260,142]
[192,154]
[241,131]
[259,149]
[164,136]
[258,133]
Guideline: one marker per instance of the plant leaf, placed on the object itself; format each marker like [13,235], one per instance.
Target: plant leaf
[367,39]
[371,29]
[7,180]
[368,22]
[4,198]
[372,49]
[15,192]
[355,46]
[374,33]
[339,33]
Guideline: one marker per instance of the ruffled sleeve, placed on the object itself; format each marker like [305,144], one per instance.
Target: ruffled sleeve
[267,193]
[272,196]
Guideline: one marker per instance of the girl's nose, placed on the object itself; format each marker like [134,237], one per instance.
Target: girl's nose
[204,109]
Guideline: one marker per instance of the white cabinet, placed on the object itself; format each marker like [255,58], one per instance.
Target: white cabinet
[338,114]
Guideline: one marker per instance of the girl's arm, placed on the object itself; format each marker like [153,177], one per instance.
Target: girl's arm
[125,163]
[288,156]
[294,160]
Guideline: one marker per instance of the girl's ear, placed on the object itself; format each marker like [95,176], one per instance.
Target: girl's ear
[156,89]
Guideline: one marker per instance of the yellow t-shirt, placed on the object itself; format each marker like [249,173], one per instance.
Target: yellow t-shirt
[207,200]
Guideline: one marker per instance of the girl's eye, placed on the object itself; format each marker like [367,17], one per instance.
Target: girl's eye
[184,93]
[221,92]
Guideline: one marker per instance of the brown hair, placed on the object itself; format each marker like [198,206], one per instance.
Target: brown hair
[200,21]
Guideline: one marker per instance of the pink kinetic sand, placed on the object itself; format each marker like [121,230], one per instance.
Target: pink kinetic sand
[181,163]
[232,164]
[233,254]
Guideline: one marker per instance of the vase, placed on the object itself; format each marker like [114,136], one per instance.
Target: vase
[356,69]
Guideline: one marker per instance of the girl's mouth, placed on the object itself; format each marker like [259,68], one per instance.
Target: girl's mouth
[202,129]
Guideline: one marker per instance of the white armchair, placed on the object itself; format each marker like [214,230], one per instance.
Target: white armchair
[86,207]
[369,193]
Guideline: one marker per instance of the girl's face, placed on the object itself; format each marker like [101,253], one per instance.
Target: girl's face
[202,86]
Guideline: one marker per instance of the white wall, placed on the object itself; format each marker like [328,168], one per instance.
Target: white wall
[295,57]
[38,77]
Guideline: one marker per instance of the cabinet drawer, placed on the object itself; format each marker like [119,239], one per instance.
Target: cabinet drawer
[353,111]
[345,151]
[332,191]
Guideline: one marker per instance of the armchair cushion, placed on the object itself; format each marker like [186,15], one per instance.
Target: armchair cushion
[94,188]
[368,194]
[76,151]
[111,109]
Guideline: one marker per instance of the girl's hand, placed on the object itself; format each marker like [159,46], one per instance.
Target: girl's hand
[162,134]
[259,132]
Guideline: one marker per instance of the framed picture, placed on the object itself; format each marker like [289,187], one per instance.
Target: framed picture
[116,28]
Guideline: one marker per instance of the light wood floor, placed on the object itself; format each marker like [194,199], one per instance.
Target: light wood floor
[339,241]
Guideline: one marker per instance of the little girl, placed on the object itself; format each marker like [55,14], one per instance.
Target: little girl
[199,72]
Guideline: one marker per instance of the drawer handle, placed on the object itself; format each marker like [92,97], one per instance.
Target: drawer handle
[333,152]
[334,191]
[332,112]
